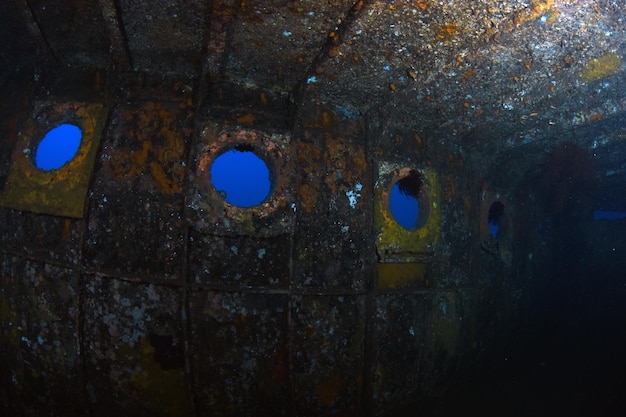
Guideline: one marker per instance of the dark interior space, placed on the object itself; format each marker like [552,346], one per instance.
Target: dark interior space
[568,358]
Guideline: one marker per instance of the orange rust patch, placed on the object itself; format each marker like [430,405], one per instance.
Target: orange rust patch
[450,191]
[308,196]
[447,31]
[468,205]
[67,224]
[168,186]
[328,391]
[596,115]
[158,147]
[326,121]
[341,158]
[280,372]
[246,119]
[534,11]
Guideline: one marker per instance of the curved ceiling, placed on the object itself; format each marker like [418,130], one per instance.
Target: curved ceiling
[520,68]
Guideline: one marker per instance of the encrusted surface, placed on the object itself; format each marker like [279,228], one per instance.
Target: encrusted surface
[129,231]
[166,300]
[241,353]
[39,316]
[134,348]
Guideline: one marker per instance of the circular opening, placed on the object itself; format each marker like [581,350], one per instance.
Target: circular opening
[496,212]
[404,200]
[241,177]
[58,147]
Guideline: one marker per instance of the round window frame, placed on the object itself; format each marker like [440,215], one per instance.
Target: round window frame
[273,150]
[423,199]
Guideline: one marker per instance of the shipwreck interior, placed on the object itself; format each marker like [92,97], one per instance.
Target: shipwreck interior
[312,208]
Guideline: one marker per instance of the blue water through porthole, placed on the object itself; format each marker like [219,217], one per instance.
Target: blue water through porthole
[404,208]
[241,177]
[609,215]
[494,228]
[58,147]
[495,216]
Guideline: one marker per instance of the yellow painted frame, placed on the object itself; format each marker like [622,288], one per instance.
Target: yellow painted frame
[395,243]
[59,192]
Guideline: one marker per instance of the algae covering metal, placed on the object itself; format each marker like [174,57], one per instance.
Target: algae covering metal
[59,192]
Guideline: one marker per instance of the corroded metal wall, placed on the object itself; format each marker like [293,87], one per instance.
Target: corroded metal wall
[164,299]
[141,292]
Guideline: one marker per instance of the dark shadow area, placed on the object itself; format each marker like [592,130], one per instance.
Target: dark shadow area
[570,359]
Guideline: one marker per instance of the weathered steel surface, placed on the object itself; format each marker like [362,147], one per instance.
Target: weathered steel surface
[163,299]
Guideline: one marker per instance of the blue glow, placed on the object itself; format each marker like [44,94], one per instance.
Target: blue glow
[609,215]
[404,208]
[241,177]
[58,147]
[494,228]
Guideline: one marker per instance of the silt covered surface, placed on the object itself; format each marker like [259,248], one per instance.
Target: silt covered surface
[165,300]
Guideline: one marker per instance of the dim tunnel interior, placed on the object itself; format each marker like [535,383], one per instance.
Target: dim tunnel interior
[201,211]
[565,358]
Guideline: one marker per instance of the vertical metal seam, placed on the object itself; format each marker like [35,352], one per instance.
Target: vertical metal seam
[119,49]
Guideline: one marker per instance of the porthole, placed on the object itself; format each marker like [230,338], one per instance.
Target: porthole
[407,200]
[241,176]
[58,147]
[494,218]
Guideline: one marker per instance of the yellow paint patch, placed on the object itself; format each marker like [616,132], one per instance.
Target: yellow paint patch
[168,186]
[59,192]
[164,390]
[394,241]
[604,66]
[328,391]
[394,275]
